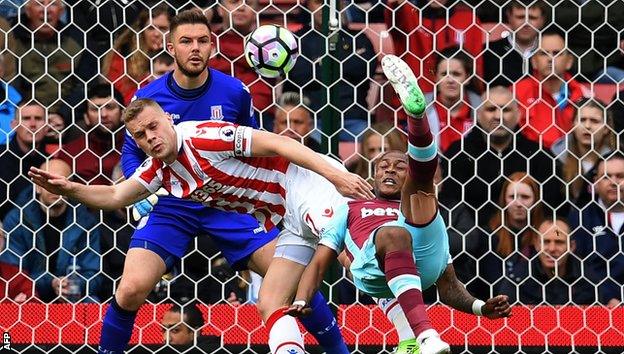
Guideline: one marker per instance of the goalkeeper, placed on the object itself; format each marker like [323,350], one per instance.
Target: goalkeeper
[397,243]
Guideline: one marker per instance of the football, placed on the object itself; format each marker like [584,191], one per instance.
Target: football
[271,50]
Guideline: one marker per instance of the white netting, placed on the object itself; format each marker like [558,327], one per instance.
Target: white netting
[60,61]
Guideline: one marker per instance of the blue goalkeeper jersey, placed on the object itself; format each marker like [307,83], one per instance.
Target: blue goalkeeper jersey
[174,222]
[222,97]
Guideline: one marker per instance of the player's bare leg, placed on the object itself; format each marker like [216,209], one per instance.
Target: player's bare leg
[276,294]
[321,323]
[261,259]
[142,270]
[418,201]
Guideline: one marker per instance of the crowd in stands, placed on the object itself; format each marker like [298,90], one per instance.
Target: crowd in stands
[531,180]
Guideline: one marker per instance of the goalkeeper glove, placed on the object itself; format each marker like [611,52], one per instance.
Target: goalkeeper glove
[145,206]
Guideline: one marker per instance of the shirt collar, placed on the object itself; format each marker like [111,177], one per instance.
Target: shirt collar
[179,142]
[526,54]
[561,97]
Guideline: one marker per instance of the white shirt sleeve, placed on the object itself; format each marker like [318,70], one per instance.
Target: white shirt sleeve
[149,175]
[334,233]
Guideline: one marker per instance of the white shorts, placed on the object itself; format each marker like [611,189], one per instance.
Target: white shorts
[310,204]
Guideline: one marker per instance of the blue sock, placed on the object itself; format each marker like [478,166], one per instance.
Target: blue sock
[116,329]
[322,325]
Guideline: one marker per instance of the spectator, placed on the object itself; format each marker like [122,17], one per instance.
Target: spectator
[599,226]
[467,242]
[161,65]
[129,74]
[56,127]
[15,286]
[492,150]
[452,109]
[554,276]
[547,98]
[9,100]
[239,20]
[520,214]
[294,119]
[10,8]
[513,226]
[375,140]
[114,243]
[25,149]
[95,153]
[506,60]
[581,148]
[616,114]
[8,61]
[595,42]
[48,237]
[353,57]
[36,41]
[182,327]
[365,11]
[438,25]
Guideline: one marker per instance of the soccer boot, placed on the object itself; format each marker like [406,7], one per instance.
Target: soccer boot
[434,345]
[409,346]
[405,84]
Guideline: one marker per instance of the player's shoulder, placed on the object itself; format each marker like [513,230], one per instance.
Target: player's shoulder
[224,81]
[153,88]
[195,127]
[189,125]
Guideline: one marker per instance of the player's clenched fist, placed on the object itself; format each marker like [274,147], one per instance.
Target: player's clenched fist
[497,307]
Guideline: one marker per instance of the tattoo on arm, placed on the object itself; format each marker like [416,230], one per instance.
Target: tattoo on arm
[453,292]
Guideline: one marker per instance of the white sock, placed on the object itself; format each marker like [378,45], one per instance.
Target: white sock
[285,337]
[395,314]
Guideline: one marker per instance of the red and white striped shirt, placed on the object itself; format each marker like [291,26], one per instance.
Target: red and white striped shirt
[214,166]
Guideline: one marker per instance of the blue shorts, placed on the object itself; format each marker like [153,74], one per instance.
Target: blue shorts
[173,223]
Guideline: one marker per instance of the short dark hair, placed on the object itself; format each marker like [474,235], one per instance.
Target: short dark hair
[165,58]
[611,155]
[553,30]
[455,52]
[191,315]
[524,4]
[103,90]
[189,17]
[553,219]
[592,102]
[465,59]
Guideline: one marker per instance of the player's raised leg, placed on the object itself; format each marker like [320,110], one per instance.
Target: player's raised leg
[418,201]
[143,268]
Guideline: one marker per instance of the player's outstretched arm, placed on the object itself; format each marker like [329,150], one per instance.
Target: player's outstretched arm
[348,184]
[311,280]
[95,196]
[453,293]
